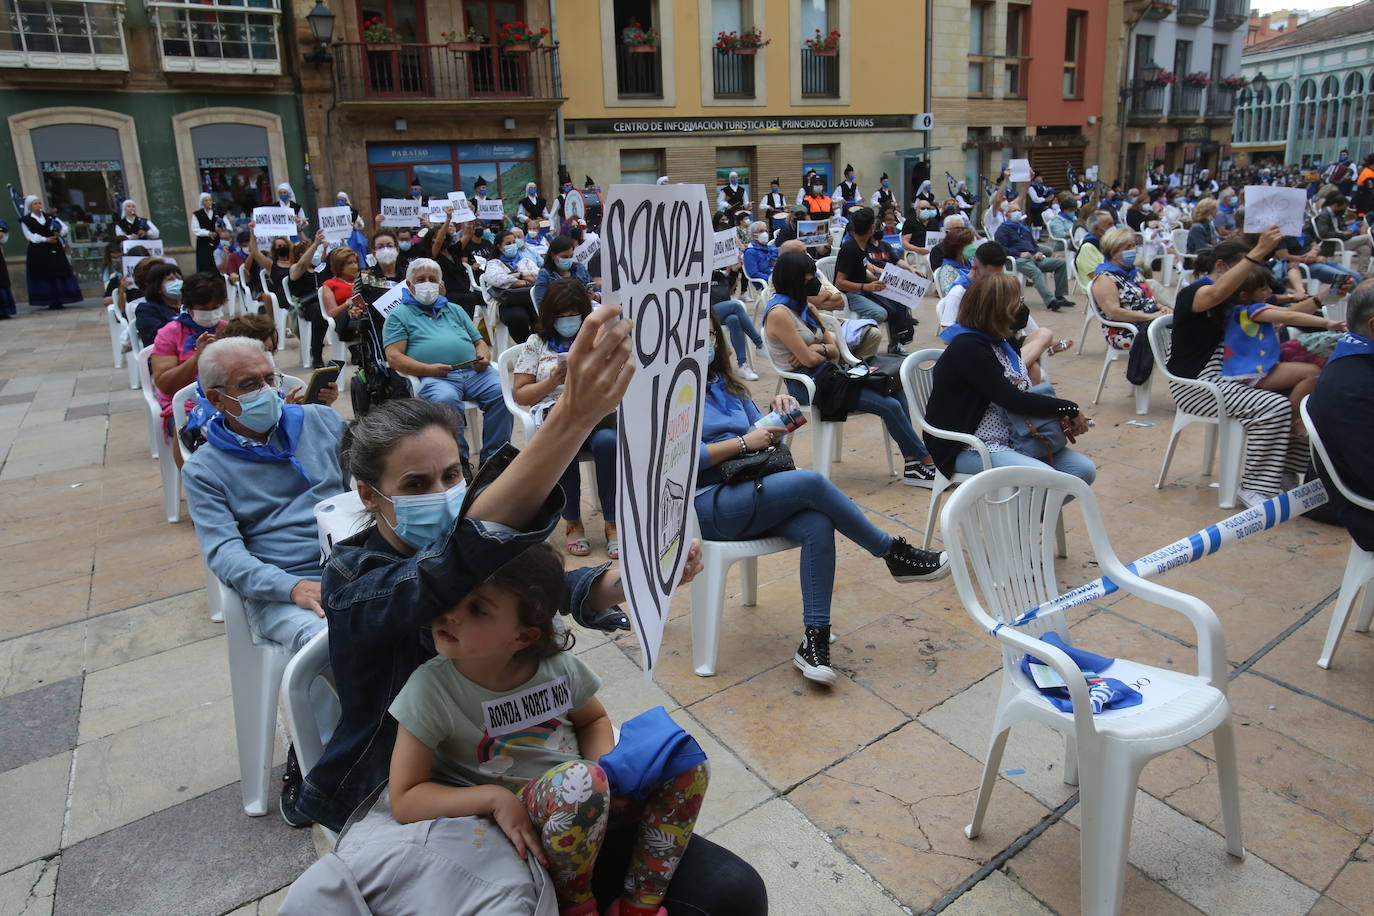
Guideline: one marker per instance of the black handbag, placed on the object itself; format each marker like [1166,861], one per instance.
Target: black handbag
[757,465]
[884,376]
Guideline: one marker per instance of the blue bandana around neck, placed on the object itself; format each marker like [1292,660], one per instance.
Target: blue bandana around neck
[1351,345]
[796,308]
[1109,267]
[290,425]
[965,275]
[558,344]
[956,329]
[408,298]
[184,318]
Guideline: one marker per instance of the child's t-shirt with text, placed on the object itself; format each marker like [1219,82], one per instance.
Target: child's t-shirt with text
[486,737]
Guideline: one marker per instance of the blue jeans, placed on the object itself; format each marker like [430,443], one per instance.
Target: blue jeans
[602,443]
[800,505]
[735,318]
[1334,274]
[484,388]
[1066,460]
[893,412]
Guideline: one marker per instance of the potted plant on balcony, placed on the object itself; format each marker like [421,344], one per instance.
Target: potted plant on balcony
[747,42]
[471,40]
[1198,80]
[1161,8]
[639,40]
[379,36]
[520,38]
[824,45]
[1233,83]
[1165,78]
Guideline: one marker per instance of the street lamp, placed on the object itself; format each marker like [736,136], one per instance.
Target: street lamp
[1149,74]
[321,20]
[1258,82]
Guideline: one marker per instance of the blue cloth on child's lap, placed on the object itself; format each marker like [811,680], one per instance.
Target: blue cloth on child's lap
[652,750]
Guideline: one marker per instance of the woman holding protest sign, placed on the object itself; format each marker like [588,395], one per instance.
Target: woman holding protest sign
[747,488]
[559,264]
[288,267]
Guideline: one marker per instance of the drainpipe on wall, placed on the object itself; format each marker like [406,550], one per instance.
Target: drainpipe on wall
[558,92]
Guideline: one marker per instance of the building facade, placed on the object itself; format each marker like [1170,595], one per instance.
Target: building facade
[154,100]
[1184,60]
[1309,92]
[681,107]
[1030,86]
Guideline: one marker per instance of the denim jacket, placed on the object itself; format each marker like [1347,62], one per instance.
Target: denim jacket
[379,605]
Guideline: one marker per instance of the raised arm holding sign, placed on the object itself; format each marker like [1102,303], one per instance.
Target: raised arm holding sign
[401,213]
[336,223]
[656,267]
[273,222]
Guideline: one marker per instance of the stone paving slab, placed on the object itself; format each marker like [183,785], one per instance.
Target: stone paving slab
[39,723]
[29,890]
[33,802]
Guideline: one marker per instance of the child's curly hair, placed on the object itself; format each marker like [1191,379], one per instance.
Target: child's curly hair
[536,579]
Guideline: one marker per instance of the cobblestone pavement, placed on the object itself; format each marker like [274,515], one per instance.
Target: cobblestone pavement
[118,775]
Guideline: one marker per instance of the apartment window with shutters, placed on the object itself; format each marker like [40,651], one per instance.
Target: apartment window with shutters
[1018,50]
[1074,29]
[979,21]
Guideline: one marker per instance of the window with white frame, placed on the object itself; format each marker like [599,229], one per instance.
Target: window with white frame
[640,166]
[218,36]
[61,35]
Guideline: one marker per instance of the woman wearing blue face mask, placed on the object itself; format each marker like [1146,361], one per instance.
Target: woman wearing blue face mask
[178,345]
[559,264]
[510,279]
[1121,295]
[541,367]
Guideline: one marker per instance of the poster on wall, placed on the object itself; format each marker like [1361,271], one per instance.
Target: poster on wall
[656,266]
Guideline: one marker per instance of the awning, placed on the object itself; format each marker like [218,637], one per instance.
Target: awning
[914,151]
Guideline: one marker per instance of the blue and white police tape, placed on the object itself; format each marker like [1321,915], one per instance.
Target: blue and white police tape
[1199,544]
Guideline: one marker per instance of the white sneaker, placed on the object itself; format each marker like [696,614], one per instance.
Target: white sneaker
[1249,498]
[748,374]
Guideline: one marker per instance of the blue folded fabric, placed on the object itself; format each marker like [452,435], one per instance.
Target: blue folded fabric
[1103,692]
[652,750]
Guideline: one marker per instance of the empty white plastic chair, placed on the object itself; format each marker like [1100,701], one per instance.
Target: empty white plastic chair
[997,531]
[1222,430]
[471,410]
[708,591]
[1141,392]
[162,448]
[119,333]
[338,518]
[1183,261]
[1359,568]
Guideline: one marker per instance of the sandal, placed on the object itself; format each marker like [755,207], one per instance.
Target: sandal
[579,547]
[1060,346]
[613,549]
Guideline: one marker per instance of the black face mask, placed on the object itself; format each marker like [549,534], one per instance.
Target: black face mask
[813,287]
[283,252]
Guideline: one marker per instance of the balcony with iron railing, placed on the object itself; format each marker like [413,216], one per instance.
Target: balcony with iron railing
[820,74]
[63,36]
[1160,9]
[638,74]
[1231,14]
[1145,104]
[1194,11]
[1221,104]
[1186,103]
[432,73]
[732,75]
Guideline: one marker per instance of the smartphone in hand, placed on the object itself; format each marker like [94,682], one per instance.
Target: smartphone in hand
[321,377]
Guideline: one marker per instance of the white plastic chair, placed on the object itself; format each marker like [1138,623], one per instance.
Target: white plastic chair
[505,364]
[132,341]
[119,333]
[1221,427]
[1002,519]
[1359,568]
[1183,261]
[1142,392]
[338,518]
[708,591]
[299,675]
[162,449]
[472,416]
[500,334]
[1346,255]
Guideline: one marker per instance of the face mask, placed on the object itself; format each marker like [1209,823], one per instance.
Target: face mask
[414,192]
[1017,216]
[734,183]
[207,318]
[568,326]
[282,252]
[284,198]
[927,214]
[1128,259]
[343,201]
[522,244]
[773,188]
[565,263]
[488,236]
[887,184]
[710,354]
[530,193]
[426,293]
[813,286]
[260,411]
[969,251]
[422,520]
[404,246]
[387,256]
[172,289]
[819,188]
[511,250]
[317,257]
[761,237]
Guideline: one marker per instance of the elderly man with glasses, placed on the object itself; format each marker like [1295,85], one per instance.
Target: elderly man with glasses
[252,490]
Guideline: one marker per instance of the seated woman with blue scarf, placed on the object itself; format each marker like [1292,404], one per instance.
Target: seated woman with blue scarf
[796,504]
[797,340]
[510,278]
[980,376]
[1120,296]
[541,368]
[179,343]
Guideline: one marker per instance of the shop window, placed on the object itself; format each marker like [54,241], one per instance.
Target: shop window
[67,36]
[442,167]
[640,166]
[82,170]
[218,36]
[232,167]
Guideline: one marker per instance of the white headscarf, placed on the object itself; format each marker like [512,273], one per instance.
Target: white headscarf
[125,206]
[348,201]
[287,188]
[204,198]
[662,179]
[29,202]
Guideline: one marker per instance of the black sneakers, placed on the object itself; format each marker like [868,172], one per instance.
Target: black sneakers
[911,564]
[917,474]
[813,656]
[291,792]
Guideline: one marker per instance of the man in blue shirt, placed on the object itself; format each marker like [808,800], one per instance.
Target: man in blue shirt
[1014,235]
[428,337]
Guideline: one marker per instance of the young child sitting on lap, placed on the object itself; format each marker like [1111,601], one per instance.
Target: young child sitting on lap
[505,723]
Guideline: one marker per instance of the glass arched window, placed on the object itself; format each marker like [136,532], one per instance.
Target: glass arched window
[1283,107]
[1266,115]
[1307,110]
[1245,116]
[1327,113]
[1368,129]
[1351,99]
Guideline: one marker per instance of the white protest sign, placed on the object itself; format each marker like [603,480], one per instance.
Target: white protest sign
[933,239]
[152,246]
[657,268]
[336,223]
[273,222]
[1267,206]
[1091,173]
[129,262]
[400,212]
[462,210]
[438,210]
[584,253]
[1020,170]
[457,197]
[813,232]
[389,299]
[725,250]
[904,286]
[489,209]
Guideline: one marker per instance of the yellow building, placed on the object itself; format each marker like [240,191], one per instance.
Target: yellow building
[677,105]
